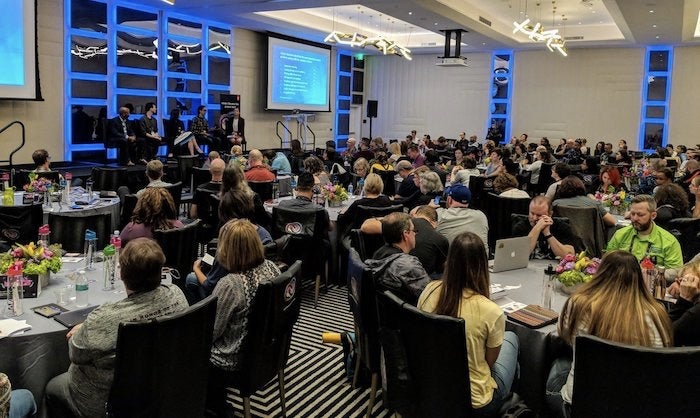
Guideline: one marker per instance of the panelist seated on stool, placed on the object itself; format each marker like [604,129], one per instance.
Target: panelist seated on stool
[84,389]
[120,135]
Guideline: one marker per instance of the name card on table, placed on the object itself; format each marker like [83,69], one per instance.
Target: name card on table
[31,284]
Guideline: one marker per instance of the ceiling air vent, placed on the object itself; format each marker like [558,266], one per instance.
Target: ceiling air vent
[484,21]
[573,38]
[428,44]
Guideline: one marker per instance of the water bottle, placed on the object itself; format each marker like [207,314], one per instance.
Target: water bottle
[44,232]
[88,189]
[81,290]
[66,190]
[116,241]
[275,190]
[351,190]
[109,267]
[660,283]
[15,290]
[90,245]
[648,273]
[547,287]
[361,187]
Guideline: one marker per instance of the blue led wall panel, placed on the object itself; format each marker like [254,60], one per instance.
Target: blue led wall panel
[342,98]
[498,124]
[656,95]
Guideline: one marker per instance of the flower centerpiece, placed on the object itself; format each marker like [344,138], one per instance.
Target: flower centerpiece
[38,184]
[574,270]
[334,194]
[35,259]
[616,202]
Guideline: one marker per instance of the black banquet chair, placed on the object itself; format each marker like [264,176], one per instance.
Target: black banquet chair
[180,247]
[416,387]
[498,215]
[69,231]
[687,231]
[262,188]
[265,349]
[20,224]
[106,178]
[620,380]
[151,361]
[363,305]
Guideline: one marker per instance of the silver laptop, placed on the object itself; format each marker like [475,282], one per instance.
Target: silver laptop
[511,254]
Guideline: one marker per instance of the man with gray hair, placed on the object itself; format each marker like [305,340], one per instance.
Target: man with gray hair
[646,239]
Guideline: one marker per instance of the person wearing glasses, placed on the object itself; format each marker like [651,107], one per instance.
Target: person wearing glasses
[392,265]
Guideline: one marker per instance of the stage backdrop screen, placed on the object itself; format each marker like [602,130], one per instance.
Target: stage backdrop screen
[298,76]
[18,77]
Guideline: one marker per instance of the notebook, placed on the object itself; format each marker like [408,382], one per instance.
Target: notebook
[73,318]
[511,254]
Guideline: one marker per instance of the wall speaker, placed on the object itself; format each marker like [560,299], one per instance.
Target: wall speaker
[372,107]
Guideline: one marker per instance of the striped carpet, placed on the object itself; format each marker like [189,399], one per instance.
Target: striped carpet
[314,378]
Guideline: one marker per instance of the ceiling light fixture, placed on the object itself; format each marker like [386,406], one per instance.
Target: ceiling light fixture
[551,38]
[170,2]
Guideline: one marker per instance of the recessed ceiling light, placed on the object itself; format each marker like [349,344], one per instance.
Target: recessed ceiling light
[653,26]
[651,11]
[435,23]
[410,13]
[592,11]
[579,23]
[658,36]
[483,43]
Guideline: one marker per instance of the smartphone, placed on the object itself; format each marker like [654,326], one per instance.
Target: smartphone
[437,200]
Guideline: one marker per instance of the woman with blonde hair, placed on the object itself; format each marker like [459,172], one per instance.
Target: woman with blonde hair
[361,167]
[155,209]
[241,253]
[464,293]
[374,186]
[615,305]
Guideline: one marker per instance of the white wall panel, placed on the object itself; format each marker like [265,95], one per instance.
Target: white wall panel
[592,93]
[419,95]
[684,123]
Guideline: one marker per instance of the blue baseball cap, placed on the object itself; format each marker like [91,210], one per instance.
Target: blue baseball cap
[460,193]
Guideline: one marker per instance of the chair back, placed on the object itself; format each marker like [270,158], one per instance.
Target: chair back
[69,231]
[362,299]
[128,206]
[498,215]
[365,212]
[180,247]
[185,164]
[365,244]
[388,179]
[262,188]
[273,313]
[175,191]
[545,178]
[687,231]
[479,187]
[105,178]
[587,224]
[22,177]
[200,175]
[415,387]
[151,360]
[20,224]
[635,381]
[305,231]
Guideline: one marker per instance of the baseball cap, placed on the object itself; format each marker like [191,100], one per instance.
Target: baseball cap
[460,193]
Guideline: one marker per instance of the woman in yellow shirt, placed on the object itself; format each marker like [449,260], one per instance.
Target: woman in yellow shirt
[464,293]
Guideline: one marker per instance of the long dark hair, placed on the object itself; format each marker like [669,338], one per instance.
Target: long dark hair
[466,247]
[236,200]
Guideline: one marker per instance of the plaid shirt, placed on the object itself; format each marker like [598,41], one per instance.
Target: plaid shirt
[199,126]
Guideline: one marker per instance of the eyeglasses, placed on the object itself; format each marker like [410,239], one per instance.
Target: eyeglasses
[411,230]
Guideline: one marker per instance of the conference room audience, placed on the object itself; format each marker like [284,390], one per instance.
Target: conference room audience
[393,267]
[83,390]
[278,162]
[495,166]
[15,403]
[464,293]
[572,193]
[506,185]
[414,154]
[304,194]
[241,253]
[458,157]
[429,187]
[644,238]
[536,166]
[364,151]
[599,149]
[200,205]
[154,173]
[458,217]
[463,175]
[616,306]
[258,171]
[155,209]
[238,201]
[671,203]
[685,313]
[373,197]
[550,237]
[610,180]
[408,186]
[314,165]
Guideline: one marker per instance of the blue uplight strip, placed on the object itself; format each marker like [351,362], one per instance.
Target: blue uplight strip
[660,103]
[339,73]
[508,77]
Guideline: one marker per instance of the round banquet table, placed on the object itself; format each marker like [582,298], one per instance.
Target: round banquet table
[31,359]
[97,206]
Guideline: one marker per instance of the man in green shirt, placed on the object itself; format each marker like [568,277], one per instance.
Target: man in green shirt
[644,238]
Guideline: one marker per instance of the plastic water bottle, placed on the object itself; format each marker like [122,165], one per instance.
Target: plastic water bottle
[351,190]
[15,290]
[547,287]
[44,232]
[275,190]
[66,190]
[81,290]
[90,245]
[109,267]
[361,187]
